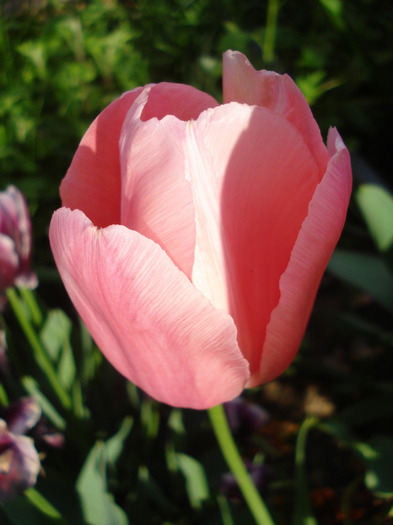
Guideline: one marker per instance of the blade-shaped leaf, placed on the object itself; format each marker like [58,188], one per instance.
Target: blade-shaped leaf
[196,483]
[55,336]
[367,272]
[377,455]
[376,205]
[99,507]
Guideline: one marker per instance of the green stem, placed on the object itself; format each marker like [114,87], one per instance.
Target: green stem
[271,30]
[39,351]
[303,513]
[235,463]
[3,396]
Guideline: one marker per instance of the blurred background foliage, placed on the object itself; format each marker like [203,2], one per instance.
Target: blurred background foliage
[62,62]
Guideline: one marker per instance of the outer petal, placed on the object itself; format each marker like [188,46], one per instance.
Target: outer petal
[92,182]
[252,179]
[314,246]
[156,198]
[145,315]
[242,83]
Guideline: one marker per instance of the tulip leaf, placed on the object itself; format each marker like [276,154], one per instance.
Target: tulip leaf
[367,411]
[377,456]
[98,505]
[55,335]
[114,445]
[367,272]
[376,205]
[149,491]
[33,509]
[196,483]
[47,408]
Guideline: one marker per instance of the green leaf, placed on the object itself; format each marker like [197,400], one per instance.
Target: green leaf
[376,205]
[33,509]
[367,411]
[114,445]
[367,272]
[335,10]
[196,483]
[377,455]
[150,491]
[55,335]
[98,505]
[48,409]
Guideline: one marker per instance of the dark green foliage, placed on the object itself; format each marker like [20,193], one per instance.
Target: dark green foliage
[62,62]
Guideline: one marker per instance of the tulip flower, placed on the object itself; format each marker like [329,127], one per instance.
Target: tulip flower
[19,460]
[15,240]
[193,235]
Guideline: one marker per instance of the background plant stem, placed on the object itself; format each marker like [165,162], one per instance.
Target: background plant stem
[271,30]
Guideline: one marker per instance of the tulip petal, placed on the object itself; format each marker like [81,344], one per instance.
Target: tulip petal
[145,315]
[252,177]
[242,83]
[314,246]
[92,182]
[179,100]
[156,198]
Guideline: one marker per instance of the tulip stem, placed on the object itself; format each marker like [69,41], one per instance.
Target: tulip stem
[39,351]
[231,454]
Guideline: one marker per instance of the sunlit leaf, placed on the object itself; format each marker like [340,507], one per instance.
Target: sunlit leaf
[55,336]
[98,505]
[377,455]
[196,483]
[114,445]
[376,205]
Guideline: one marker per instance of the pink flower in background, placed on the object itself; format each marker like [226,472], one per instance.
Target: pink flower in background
[19,460]
[15,240]
[193,235]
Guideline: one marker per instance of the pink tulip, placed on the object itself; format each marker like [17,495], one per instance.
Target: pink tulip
[199,232]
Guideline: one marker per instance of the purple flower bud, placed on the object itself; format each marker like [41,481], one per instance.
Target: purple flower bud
[45,434]
[19,463]
[260,475]
[22,415]
[15,240]
[244,416]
